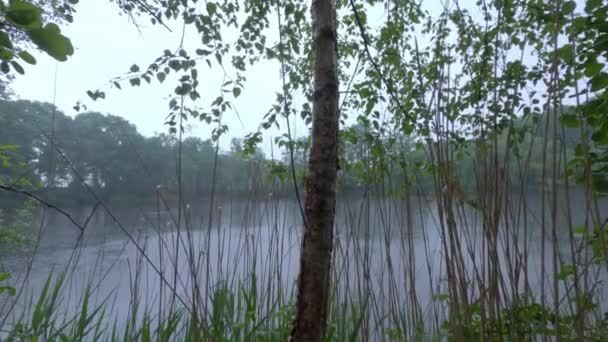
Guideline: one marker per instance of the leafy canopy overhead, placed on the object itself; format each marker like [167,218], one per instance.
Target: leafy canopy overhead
[24,25]
[458,72]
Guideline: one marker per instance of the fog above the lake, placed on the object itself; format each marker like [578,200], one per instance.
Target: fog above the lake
[379,243]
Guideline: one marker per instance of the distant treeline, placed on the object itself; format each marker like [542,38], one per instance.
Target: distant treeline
[65,159]
[60,156]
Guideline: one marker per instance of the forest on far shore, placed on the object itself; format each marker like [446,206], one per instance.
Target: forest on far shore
[124,167]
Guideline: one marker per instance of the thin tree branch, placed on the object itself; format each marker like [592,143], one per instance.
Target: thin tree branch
[374,64]
[45,203]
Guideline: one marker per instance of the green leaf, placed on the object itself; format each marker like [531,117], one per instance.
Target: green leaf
[578,150]
[203,52]
[566,54]
[592,4]
[175,65]
[579,24]
[599,82]
[135,81]
[441,297]
[134,68]
[96,95]
[5,40]
[6,54]
[600,137]
[211,8]
[182,90]
[18,68]
[25,14]
[236,91]
[568,7]
[161,77]
[27,57]
[580,230]
[565,272]
[376,125]
[50,40]
[600,182]
[569,120]
[11,291]
[592,68]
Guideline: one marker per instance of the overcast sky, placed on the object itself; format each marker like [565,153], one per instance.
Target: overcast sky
[107,44]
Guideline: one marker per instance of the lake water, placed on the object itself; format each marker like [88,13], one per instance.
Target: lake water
[388,249]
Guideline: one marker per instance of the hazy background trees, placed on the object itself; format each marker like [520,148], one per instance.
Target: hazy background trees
[125,167]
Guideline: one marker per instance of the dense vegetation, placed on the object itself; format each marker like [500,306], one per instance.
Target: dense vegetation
[495,110]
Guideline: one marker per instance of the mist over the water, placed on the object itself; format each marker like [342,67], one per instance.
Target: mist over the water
[381,246]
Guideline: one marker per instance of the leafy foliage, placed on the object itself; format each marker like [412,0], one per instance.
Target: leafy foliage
[16,214]
[6,289]
[24,24]
[434,96]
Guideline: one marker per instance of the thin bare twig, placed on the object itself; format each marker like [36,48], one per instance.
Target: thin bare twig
[45,203]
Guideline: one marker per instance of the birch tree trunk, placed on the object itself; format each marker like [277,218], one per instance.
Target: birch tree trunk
[315,258]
